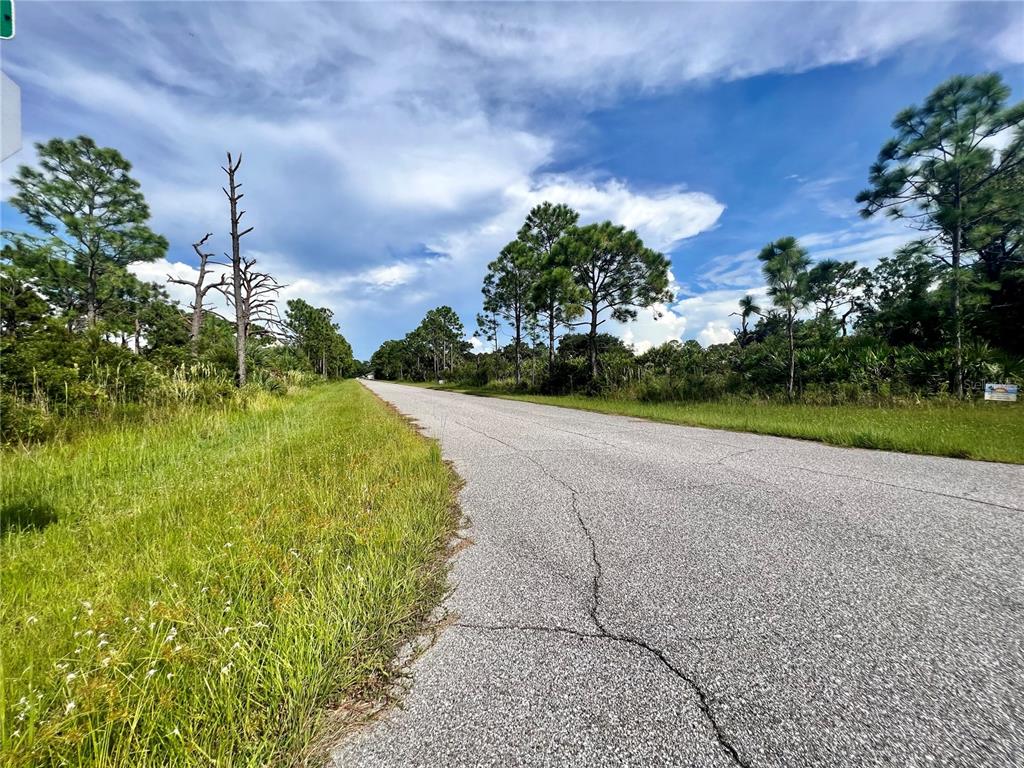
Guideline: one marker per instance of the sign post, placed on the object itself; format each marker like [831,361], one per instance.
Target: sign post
[1003,393]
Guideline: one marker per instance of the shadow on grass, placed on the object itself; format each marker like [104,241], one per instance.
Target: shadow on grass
[26,514]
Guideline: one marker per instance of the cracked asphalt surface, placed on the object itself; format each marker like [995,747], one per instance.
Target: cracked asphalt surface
[647,594]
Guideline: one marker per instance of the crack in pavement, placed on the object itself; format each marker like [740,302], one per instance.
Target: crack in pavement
[721,461]
[532,628]
[703,701]
[543,629]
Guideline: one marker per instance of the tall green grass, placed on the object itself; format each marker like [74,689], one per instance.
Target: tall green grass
[966,430]
[197,591]
[103,396]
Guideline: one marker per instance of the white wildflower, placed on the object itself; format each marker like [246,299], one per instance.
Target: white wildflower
[69,707]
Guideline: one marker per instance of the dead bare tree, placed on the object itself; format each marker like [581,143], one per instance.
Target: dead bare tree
[200,287]
[234,196]
[257,299]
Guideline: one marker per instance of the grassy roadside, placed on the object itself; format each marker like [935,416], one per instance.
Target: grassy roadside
[983,431]
[197,592]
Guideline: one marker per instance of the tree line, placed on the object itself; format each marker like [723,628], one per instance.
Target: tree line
[941,315]
[79,331]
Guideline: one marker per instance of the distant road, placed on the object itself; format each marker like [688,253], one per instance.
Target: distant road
[645,594]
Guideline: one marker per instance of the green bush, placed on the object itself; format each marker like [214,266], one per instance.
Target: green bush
[23,422]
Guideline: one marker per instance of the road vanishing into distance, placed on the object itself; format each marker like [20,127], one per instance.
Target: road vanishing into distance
[645,594]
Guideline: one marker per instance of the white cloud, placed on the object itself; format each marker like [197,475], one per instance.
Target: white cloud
[712,311]
[730,270]
[863,241]
[389,276]
[371,130]
[157,272]
[1008,44]
[715,332]
[652,327]
[662,217]
[424,160]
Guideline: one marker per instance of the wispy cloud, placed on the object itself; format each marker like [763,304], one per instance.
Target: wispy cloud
[375,133]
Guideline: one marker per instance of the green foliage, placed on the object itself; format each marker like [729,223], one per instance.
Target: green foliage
[316,337]
[436,348]
[834,288]
[615,275]
[836,332]
[508,288]
[93,218]
[784,265]
[223,576]
[554,296]
[942,174]
[81,338]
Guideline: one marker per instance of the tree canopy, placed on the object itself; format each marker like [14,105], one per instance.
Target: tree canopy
[943,174]
[93,219]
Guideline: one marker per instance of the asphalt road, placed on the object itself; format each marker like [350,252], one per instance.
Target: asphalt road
[645,594]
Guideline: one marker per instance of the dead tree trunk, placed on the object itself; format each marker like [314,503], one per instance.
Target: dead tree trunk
[256,303]
[234,196]
[199,288]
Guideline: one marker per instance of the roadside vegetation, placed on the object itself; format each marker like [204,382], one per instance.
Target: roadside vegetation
[210,547]
[83,340]
[198,590]
[919,332]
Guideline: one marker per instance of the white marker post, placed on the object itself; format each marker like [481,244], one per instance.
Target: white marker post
[10,117]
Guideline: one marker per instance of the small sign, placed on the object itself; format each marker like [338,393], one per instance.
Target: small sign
[1004,393]
[6,19]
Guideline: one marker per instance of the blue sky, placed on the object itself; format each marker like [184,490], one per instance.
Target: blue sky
[391,150]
